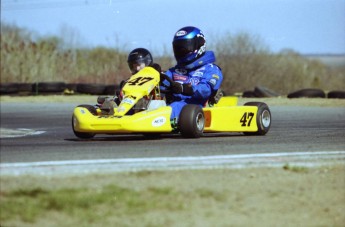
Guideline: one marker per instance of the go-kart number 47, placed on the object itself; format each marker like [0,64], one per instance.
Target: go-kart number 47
[247,116]
[139,81]
[141,112]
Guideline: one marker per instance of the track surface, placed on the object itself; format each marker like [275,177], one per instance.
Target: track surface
[294,129]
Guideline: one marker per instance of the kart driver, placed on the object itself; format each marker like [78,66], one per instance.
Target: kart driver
[196,79]
[137,59]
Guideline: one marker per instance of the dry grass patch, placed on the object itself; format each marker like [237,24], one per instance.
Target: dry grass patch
[286,196]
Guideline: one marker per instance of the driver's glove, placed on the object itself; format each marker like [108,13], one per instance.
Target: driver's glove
[184,89]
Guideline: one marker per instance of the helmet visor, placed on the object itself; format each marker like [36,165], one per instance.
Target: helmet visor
[135,65]
[183,47]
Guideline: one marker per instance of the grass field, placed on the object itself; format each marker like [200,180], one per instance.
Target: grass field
[286,196]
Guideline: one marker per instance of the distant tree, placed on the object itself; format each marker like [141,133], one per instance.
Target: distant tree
[246,62]
[14,34]
[242,59]
[245,59]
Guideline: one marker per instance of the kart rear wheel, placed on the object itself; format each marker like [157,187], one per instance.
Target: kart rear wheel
[192,121]
[81,135]
[263,118]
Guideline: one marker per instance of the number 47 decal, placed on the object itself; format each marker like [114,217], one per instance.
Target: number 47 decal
[247,117]
[139,81]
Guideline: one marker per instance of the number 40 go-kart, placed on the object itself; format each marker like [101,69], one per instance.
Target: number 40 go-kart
[143,111]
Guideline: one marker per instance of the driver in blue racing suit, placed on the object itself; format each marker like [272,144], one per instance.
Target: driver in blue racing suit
[196,79]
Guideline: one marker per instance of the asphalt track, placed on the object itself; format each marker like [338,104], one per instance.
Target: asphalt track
[49,137]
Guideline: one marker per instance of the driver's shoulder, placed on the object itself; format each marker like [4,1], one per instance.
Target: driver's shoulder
[210,69]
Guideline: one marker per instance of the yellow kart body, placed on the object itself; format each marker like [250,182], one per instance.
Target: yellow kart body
[143,87]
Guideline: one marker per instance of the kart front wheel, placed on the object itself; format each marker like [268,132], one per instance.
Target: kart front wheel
[82,135]
[263,118]
[192,121]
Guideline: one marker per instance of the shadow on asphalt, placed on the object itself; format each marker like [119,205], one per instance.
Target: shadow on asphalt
[140,137]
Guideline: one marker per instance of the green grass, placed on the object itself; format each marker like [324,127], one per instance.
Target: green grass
[296,169]
[29,204]
[83,204]
[219,197]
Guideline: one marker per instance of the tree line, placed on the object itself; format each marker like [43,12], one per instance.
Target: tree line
[246,62]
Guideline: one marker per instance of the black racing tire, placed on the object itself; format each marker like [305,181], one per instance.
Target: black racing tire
[110,90]
[49,87]
[82,135]
[72,87]
[92,89]
[263,118]
[307,93]
[248,94]
[191,121]
[264,92]
[12,88]
[8,88]
[336,95]
[25,88]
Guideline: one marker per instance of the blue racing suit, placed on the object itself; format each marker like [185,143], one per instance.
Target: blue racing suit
[205,78]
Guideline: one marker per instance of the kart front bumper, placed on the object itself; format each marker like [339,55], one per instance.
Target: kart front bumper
[153,121]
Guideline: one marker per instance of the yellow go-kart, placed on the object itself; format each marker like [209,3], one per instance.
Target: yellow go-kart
[143,111]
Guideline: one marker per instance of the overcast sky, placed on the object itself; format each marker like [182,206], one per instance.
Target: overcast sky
[306,26]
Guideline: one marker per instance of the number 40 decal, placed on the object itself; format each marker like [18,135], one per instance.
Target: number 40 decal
[247,119]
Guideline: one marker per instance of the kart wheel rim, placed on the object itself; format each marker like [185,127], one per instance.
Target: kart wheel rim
[266,118]
[200,122]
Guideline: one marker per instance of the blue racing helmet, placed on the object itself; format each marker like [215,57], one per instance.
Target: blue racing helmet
[189,44]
